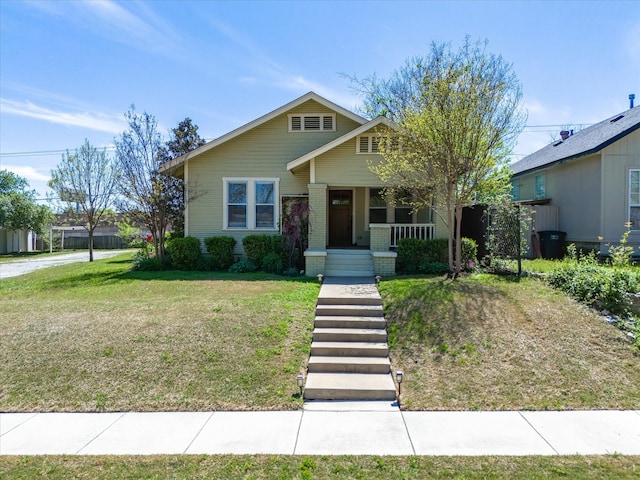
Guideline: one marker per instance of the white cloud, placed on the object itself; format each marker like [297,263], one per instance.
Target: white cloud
[30,173]
[94,121]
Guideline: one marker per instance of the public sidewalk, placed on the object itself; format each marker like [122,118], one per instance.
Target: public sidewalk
[323,428]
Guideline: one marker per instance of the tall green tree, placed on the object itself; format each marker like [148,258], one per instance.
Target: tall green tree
[182,139]
[19,209]
[86,181]
[458,114]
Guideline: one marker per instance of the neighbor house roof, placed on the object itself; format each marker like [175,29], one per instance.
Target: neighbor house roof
[585,142]
[259,121]
[293,164]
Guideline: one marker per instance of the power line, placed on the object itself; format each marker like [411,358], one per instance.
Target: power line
[44,153]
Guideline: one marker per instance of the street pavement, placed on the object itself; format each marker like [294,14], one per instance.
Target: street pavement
[24,265]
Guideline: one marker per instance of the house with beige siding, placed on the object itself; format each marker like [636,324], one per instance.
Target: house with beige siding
[309,149]
[590,179]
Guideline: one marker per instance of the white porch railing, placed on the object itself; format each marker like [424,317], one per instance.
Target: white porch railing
[423,231]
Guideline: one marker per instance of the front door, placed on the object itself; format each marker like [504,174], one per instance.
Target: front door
[340,218]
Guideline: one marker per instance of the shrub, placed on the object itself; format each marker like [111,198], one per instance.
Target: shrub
[597,286]
[143,262]
[221,251]
[243,266]
[185,253]
[272,263]
[257,247]
[428,256]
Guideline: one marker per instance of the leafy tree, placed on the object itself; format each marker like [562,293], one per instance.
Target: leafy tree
[152,197]
[182,140]
[18,207]
[87,180]
[458,114]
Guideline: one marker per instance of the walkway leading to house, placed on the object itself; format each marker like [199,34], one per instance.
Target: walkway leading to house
[323,428]
[349,353]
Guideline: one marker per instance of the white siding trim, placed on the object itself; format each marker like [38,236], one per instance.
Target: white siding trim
[186,199]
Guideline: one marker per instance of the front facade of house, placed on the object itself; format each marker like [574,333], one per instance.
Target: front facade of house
[311,149]
[592,179]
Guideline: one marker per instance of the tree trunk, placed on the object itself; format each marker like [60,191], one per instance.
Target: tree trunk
[458,231]
[91,245]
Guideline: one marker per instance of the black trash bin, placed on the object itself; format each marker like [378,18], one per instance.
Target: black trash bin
[552,243]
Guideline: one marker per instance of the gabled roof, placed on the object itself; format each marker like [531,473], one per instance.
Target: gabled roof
[293,164]
[259,121]
[585,142]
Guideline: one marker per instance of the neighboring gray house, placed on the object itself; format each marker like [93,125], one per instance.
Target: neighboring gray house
[591,178]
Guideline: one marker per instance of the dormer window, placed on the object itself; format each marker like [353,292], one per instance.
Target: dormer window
[312,123]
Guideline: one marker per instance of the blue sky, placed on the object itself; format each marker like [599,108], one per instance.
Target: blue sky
[69,70]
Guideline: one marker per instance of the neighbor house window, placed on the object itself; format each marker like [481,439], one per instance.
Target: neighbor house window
[250,203]
[368,144]
[377,206]
[515,191]
[541,187]
[634,199]
[312,123]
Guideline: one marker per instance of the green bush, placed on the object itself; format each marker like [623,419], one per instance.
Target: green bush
[243,266]
[185,253]
[597,286]
[221,251]
[428,256]
[257,247]
[272,263]
[143,262]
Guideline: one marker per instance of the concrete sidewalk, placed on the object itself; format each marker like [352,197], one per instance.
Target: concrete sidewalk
[323,428]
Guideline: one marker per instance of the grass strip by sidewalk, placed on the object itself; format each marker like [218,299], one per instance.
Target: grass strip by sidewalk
[485,342]
[314,467]
[97,337]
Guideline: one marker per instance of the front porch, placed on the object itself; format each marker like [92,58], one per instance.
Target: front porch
[378,259]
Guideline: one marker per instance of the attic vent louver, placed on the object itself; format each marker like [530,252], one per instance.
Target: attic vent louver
[613,120]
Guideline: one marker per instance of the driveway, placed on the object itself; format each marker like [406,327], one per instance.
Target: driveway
[26,265]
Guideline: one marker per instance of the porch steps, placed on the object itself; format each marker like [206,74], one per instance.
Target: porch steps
[348,263]
[349,352]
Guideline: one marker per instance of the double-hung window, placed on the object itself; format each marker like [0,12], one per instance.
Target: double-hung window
[634,199]
[250,203]
[541,188]
[377,206]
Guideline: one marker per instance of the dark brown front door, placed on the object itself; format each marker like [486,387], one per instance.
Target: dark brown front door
[340,212]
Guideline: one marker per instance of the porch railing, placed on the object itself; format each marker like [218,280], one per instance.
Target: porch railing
[423,231]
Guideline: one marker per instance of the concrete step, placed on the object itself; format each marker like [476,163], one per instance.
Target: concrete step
[350,349]
[350,310]
[349,335]
[348,273]
[349,386]
[363,300]
[328,321]
[319,363]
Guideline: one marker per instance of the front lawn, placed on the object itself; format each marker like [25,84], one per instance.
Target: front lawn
[485,342]
[97,337]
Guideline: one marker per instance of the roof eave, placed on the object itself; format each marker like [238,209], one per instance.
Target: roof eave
[259,121]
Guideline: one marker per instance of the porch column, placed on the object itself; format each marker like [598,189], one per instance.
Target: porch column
[384,261]
[316,254]
[317,216]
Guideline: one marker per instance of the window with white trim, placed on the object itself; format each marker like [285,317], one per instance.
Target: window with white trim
[377,206]
[368,144]
[634,199]
[325,122]
[250,203]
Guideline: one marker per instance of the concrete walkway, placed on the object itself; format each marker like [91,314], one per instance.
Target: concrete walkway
[323,428]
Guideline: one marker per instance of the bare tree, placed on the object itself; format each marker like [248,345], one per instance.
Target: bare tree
[86,181]
[147,196]
[458,115]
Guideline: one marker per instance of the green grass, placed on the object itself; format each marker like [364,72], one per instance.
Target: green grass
[98,337]
[305,468]
[484,342]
